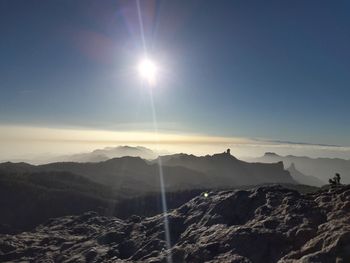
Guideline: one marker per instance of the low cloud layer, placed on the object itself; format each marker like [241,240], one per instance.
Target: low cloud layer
[27,143]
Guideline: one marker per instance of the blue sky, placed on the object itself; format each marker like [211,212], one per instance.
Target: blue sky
[277,70]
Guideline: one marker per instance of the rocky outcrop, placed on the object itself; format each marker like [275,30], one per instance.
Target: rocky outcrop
[302,178]
[226,170]
[322,168]
[264,224]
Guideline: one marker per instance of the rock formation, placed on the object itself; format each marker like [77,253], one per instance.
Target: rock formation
[322,168]
[264,224]
[302,178]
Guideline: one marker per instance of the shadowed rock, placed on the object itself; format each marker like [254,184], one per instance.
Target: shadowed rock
[264,224]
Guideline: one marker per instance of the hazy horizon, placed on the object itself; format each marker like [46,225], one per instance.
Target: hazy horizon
[43,144]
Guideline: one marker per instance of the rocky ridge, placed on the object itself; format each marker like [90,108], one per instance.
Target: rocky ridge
[263,224]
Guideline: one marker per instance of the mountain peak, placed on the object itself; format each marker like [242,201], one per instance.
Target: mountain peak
[106,153]
[135,159]
[225,155]
[271,154]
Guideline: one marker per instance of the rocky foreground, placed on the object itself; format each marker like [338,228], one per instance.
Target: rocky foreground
[265,224]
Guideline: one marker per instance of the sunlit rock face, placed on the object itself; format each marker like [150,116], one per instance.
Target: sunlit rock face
[264,224]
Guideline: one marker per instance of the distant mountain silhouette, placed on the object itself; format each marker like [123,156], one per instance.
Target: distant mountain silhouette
[228,170]
[302,178]
[321,168]
[128,175]
[134,175]
[100,155]
[30,194]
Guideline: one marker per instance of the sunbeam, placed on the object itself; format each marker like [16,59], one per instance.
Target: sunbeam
[148,71]
[161,181]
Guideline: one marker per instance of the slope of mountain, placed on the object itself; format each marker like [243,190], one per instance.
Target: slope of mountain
[321,168]
[226,169]
[100,155]
[265,224]
[302,178]
[129,176]
[29,199]
[133,175]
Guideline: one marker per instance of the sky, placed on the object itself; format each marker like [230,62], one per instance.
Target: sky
[242,71]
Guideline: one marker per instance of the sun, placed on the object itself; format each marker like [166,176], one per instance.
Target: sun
[148,71]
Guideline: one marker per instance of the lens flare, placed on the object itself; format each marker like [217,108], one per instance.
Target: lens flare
[148,71]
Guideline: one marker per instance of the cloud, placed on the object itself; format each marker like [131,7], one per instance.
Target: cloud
[46,134]
[26,141]
[43,134]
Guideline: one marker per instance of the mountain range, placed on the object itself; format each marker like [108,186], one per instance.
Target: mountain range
[99,155]
[225,169]
[181,172]
[302,178]
[30,194]
[321,168]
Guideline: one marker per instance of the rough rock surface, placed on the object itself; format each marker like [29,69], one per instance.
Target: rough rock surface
[264,224]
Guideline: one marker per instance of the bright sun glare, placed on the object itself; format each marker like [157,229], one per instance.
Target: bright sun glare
[148,70]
